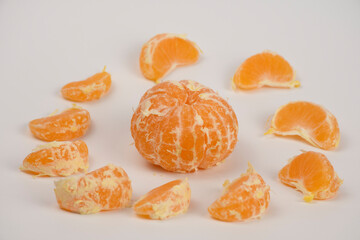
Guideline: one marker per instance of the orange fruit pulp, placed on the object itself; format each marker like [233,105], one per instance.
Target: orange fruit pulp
[57,159]
[164,52]
[106,188]
[168,200]
[308,120]
[184,126]
[67,125]
[312,174]
[92,88]
[247,197]
[264,69]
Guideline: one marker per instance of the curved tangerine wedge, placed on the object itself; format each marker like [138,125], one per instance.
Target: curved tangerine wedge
[164,52]
[312,174]
[168,200]
[67,125]
[264,69]
[92,88]
[308,120]
[106,188]
[247,197]
[57,159]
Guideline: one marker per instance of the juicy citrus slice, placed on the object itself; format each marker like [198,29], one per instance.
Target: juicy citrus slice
[67,125]
[183,126]
[247,197]
[57,159]
[168,200]
[89,89]
[312,174]
[265,69]
[164,52]
[106,188]
[309,121]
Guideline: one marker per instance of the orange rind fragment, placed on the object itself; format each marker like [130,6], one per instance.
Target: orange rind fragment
[308,120]
[247,197]
[184,126]
[57,159]
[90,89]
[164,52]
[67,125]
[106,188]
[168,200]
[264,69]
[312,174]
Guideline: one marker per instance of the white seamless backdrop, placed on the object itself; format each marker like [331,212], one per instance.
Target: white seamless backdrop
[46,44]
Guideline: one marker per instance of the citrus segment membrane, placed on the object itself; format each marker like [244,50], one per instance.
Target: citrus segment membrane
[168,200]
[245,198]
[57,159]
[165,52]
[184,126]
[106,188]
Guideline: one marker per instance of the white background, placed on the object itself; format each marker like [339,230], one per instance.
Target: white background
[46,44]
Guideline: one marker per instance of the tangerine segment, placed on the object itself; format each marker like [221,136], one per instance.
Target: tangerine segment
[309,121]
[106,188]
[89,89]
[247,197]
[67,125]
[265,69]
[312,174]
[184,126]
[57,159]
[168,200]
[164,52]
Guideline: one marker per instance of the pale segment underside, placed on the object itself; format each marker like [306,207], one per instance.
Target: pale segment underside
[87,194]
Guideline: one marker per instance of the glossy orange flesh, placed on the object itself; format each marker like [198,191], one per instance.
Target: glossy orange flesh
[164,52]
[57,159]
[168,200]
[67,125]
[184,126]
[308,120]
[90,89]
[312,174]
[265,69]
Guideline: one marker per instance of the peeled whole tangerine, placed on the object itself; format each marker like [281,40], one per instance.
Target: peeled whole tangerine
[106,188]
[67,125]
[57,159]
[183,126]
